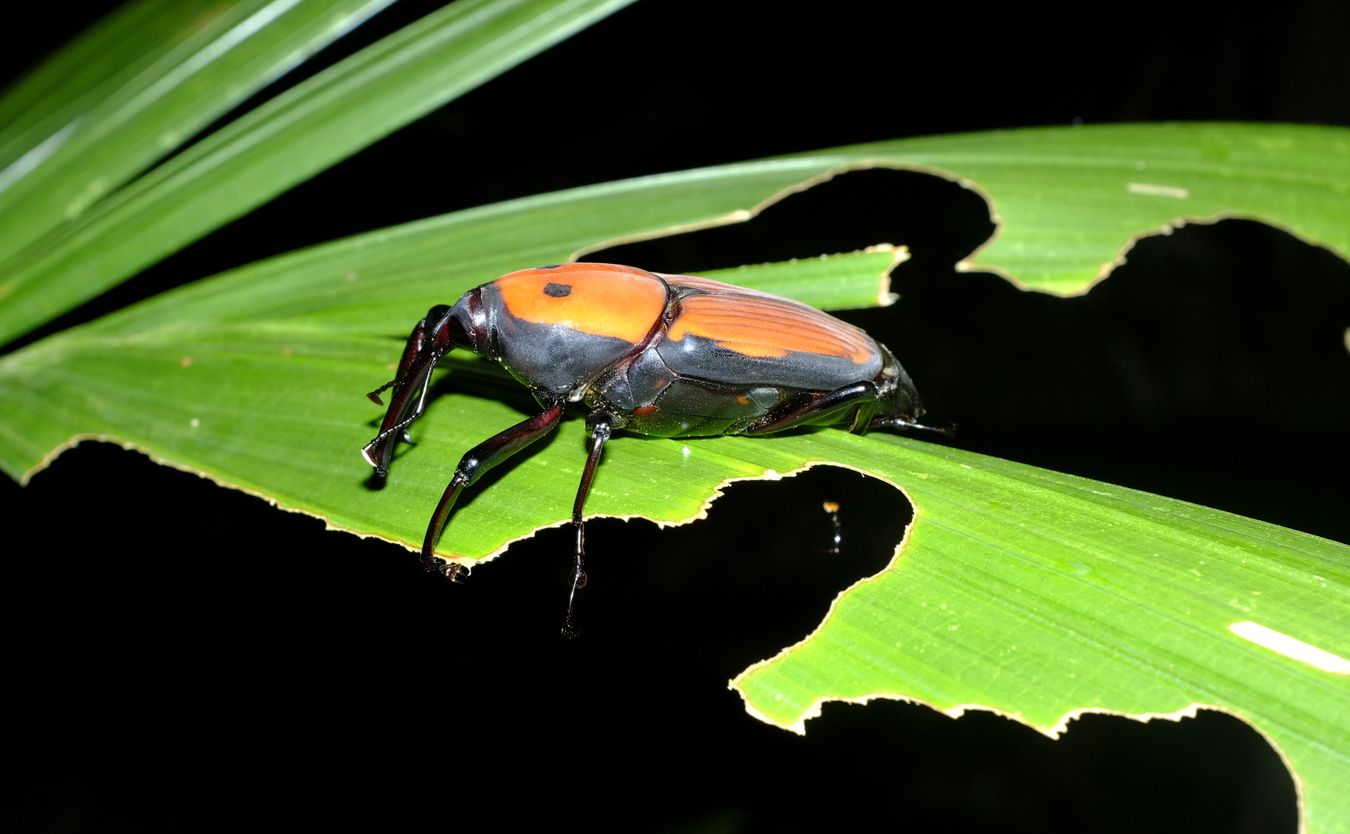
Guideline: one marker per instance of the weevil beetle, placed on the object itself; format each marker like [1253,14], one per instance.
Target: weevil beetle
[663,355]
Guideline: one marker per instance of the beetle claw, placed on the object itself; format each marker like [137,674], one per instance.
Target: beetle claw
[452,571]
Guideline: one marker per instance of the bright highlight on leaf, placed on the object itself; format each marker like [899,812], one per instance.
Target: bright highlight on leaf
[1291,647]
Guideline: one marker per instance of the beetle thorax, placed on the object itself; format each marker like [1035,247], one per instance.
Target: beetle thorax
[557,329]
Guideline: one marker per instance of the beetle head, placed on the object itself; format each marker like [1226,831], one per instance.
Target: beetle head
[898,403]
[900,407]
[432,338]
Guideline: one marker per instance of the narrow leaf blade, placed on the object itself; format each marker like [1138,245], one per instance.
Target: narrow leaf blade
[283,142]
[142,92]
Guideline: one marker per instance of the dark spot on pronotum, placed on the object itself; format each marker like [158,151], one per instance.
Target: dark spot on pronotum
[548,266]
[558,290]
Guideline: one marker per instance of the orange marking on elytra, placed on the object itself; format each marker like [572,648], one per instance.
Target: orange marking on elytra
[766,326]
[600,299]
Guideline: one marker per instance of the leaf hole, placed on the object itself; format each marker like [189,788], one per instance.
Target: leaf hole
[754,576]
[938,220]
[1209,367]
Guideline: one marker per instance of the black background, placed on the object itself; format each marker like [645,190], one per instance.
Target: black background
[182,657]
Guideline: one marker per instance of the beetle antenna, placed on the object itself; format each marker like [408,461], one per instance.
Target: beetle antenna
[944,429]
[374,396]
[397,427]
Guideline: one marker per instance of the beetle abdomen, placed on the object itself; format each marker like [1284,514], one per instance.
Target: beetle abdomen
[649,398]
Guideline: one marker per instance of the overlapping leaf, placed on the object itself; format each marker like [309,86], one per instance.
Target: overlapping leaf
[283,142]
[135,89]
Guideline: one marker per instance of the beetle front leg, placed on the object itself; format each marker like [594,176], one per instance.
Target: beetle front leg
[420,355]
[477,462]
[600,424]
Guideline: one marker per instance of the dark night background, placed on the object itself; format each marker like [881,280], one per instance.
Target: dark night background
[181,657]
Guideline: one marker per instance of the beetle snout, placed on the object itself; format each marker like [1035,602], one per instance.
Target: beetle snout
[903,401]
[898,403]
[899,409]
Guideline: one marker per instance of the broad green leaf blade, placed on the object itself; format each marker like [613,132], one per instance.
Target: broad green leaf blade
[134,95]
[236,376]
[1042,596]
[283,142]
[1071,202]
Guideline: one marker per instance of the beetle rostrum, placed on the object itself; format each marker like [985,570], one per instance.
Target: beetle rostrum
[662,355]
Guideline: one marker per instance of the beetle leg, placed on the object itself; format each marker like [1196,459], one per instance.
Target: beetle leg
[808,409]
[420,355]
[477,462]
[600,424]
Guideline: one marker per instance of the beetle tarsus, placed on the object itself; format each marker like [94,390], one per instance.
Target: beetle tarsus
[578,562]
[601,426]
[569,630]
[453,571]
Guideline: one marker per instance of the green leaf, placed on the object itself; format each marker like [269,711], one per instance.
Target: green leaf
[1070,202]
[1033,594]
[283,142]
[134,89]
[1042,596]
